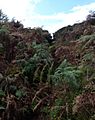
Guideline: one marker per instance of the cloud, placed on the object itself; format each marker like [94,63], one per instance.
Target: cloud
[58,20]
[84,7]
[18,8]
[25,11]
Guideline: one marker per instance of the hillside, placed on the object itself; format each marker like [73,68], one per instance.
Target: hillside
[47,79]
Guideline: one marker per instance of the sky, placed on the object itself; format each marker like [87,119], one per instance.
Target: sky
[48,14]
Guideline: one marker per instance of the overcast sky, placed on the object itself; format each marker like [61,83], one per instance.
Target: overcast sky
[51,14]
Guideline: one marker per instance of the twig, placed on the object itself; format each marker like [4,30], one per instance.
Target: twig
[40,103]
[38,92]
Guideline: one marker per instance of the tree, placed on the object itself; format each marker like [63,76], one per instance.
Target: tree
[3,17]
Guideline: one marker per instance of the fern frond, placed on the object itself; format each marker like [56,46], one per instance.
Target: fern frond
[43,72]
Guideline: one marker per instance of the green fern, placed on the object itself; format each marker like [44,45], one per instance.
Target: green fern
[2,93]
[20,93]
[42,52]
[67,73]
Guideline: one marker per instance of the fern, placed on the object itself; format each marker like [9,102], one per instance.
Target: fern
[42,52]
[29,68]
[20,93]
[50,72]
[1,48]
[67,73]
[43,72]
[85,41]
[2,93]
[36,74]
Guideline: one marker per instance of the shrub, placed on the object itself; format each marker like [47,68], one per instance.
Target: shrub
[91,17]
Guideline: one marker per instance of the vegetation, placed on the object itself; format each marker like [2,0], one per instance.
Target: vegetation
[91,17]
[43,79]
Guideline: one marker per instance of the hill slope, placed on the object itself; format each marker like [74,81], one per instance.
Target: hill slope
[47,79]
